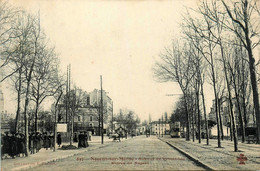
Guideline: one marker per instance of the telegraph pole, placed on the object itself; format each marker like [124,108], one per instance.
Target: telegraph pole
[67,94]
[162,126]
[112,115]
[101,110]
[159,127]
[70,113]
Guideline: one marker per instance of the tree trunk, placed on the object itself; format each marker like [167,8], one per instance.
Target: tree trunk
[241,121]
[205,114]
[193,129]
[220,120]
[26,108]
[198,108]
[215,94]
[187,118]
[255,91]
[36,116]
[18,101]
[252,73]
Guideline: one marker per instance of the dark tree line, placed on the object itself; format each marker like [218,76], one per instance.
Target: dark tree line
[217,46]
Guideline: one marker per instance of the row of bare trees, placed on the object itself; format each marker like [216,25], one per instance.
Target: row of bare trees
[28,63]
[217,46]
[127,119]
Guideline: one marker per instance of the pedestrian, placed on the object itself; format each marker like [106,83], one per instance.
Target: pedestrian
[34,144]
[85,140]
[75,138]
[51,140]
[45,141]
[5,144]
[13,146]
[30,143]
[81,140]
[38,141]
[21,145]
[59,139]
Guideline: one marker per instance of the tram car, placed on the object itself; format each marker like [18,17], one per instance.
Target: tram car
[175,130]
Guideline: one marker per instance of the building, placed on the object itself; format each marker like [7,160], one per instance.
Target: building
[225,114]
[5,116]
[224,111]
[159,127]
[86,117]
[5,122]
[142,130]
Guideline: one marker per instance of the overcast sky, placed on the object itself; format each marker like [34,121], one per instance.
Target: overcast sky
[118,40]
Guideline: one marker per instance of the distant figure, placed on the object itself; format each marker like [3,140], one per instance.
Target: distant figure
[51,140]
[75,138]
[81,140]
[21,145]
[38,140]
[46,141]
[85,144]
[59,139]
[13,142]
[5,144]
[30,143]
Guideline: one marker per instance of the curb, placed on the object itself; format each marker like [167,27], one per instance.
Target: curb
[52,160]
[191,157]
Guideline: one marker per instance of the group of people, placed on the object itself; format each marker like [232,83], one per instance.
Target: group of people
[82,140]
[14,145]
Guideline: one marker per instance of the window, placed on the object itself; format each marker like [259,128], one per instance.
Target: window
[90,125]
[90,118]
[79,118]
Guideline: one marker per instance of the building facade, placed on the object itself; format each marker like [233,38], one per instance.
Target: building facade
[225,114]
[159,127]
[87,115]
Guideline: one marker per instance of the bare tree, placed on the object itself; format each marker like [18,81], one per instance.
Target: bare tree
[8,17]
[175,65]
[43,83]
[244,23]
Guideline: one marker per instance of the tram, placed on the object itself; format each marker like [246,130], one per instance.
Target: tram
[175,130]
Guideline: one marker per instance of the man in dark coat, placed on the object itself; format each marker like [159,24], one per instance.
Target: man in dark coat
[51,140]
[30,143]
[59,139]
[5,144]
[81,140]
[21,145]
[45,141]
[85,139]
[13,144]
[38,141]
[75,138]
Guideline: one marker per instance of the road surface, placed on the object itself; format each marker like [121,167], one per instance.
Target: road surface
[139,153]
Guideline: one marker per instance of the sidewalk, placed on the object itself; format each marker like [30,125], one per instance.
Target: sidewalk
[45,156]
[247,158]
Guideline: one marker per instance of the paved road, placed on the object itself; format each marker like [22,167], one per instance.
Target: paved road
[139,153]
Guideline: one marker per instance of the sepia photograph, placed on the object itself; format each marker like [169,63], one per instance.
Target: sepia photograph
[129,85]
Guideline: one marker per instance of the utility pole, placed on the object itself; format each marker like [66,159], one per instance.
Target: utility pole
[70,113]
[67,94]
[112,116]
[101,110]
[162,126]
[159,127]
